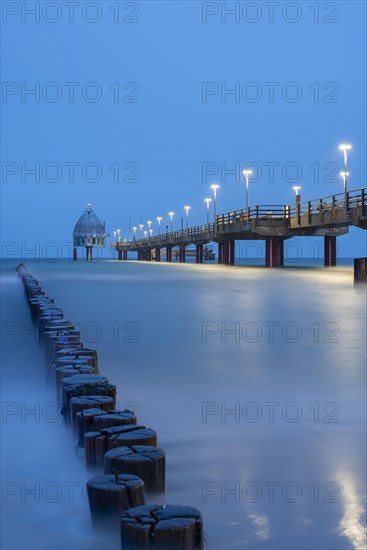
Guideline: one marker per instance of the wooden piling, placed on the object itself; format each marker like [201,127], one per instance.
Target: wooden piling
[149,463]
[162,528]
[110,496]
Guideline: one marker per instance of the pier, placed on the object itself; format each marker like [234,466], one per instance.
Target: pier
[327,217]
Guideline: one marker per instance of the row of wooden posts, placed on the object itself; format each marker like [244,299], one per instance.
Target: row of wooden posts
[134,467]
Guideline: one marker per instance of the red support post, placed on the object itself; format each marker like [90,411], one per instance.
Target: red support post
[199,254]
[274,252]
[329,251]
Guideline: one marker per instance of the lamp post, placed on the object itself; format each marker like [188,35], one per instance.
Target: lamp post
[187,208]
[247,174]
[159,219]
[149,224]
[345,147]
[134,231]
[296,189]
[118,234]
[114,235]
[171,214]
[150,232]
[215,186]
[145,234]
[208,201]
[141,230]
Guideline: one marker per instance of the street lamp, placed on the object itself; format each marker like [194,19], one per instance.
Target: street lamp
[208,201]
[145,234]
[159,219]
[118,234]
[345,147]
[141,230]
[150,232]
[247,174]
[134,231]
[171,214]
[296,189]
[344,175]
[215,186]
[149,224]
[187,208]
[114,235]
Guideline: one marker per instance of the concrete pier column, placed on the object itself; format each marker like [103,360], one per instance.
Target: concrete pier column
[89,253]
[329,251]
[169,254]
[220,253]
[75,254]
[274,252]
[360,270]
[157,254]
[125,255]
[182,254]
[199,253]
[148,255]
[119,255]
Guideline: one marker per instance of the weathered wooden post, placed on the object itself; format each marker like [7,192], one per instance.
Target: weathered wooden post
[110,496]
[162,528]
[149,463]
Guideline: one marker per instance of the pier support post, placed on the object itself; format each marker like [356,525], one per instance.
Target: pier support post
[182,254]
[157,254]
[75,254]
[125,255]
[360,270]
[89,253]
[221,253]
[119,255]
[148,255]
[274,252]
[169,254]
[229,252]
[329,251]
[199,253]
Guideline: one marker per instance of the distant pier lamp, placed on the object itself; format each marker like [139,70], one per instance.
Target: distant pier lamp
[171,214]
[247,173]
[208,201]
[134,232]
[145,234]
[141,230]
[159,219]
[114,235]
[187,208]
[149,223]
[345,147]
[297,189]
[345,175]
[150,232]
[89,232]
[215,188]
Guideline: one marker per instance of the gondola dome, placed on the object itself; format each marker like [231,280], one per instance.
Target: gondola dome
[89,230]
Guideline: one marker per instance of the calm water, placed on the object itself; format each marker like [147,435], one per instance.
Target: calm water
[254,380]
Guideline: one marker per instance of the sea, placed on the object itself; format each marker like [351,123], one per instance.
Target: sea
[254,380]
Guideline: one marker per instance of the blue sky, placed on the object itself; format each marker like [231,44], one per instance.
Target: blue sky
[168,138]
